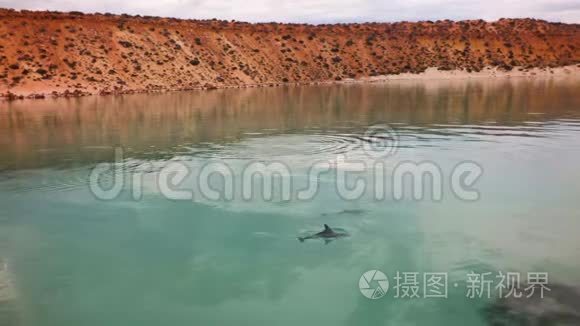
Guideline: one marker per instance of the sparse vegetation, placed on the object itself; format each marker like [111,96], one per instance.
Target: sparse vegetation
[153,53]
[126,44]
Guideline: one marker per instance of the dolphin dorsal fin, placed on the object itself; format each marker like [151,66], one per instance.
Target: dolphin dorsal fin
[327,228]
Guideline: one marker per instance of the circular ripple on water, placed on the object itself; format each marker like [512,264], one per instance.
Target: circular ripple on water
[71,179]
[52,181]
[276,147]
[334,144]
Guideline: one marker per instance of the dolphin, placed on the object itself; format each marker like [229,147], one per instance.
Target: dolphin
[327,234]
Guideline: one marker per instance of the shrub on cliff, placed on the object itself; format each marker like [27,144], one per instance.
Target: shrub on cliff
[126,44]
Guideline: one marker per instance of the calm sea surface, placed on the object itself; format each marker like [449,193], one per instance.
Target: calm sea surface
[69,258]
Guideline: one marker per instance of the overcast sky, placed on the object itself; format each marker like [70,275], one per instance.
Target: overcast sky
[320,11]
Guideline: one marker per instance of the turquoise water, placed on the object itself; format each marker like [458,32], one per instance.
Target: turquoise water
[73,259]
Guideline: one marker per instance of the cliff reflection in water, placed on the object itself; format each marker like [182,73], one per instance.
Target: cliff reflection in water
[61,132]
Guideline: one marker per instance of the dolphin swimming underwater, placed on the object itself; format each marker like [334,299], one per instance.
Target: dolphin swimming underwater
[327,234]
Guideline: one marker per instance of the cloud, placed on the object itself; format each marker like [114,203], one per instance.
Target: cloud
[320,11]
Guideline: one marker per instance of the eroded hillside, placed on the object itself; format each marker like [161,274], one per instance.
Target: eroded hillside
[75,53]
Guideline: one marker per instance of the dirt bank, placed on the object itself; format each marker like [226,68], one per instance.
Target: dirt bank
[73,54]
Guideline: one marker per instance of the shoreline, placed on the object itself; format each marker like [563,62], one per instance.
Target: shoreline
[432,73]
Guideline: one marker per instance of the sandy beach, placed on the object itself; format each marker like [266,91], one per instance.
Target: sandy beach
[572,71]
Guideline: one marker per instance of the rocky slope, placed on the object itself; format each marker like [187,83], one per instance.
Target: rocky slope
[75,53]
